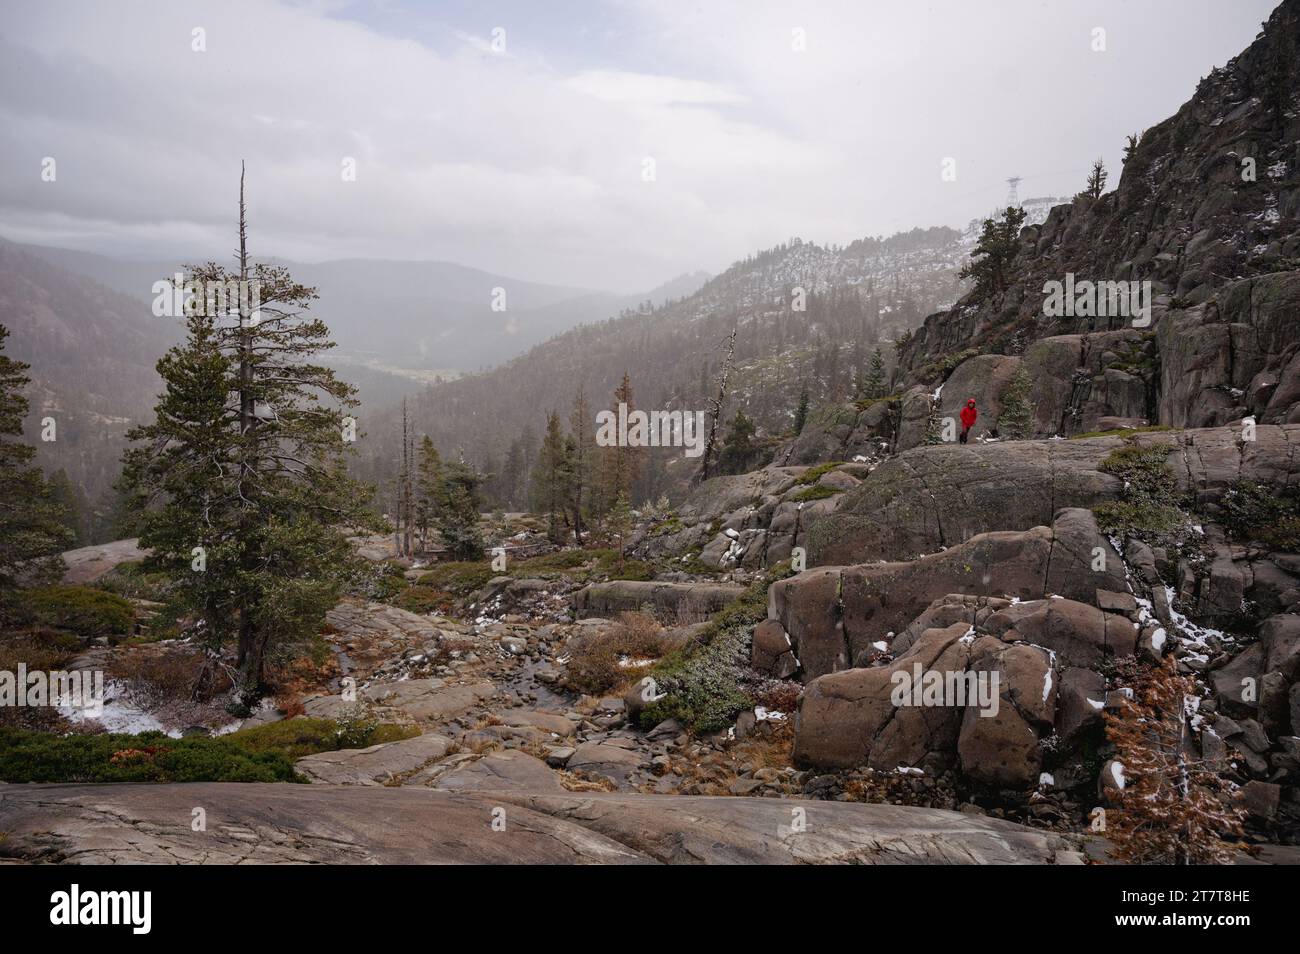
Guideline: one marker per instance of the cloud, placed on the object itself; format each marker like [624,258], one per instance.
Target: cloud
[530,163]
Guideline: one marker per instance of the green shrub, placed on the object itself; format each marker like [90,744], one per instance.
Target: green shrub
[814,474]
[629,570]
[703,682]
[148,757]
[383,581]
[817,492]
[1146,470]
[1148,506]
[83,610]
[423,599]
[263,753]
[458,578]
[132,581]
[1259,514]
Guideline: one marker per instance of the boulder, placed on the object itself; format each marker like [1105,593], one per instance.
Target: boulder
[674,600]
[939,496]
[836,613]
[848,718]
[772,652]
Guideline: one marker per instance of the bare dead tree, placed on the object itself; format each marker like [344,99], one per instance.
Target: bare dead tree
[715,409]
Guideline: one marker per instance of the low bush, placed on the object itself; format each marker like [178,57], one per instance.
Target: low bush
[816,492]
[148,757]
[263,753]
[1255,513]
[814,474]
[83,610]
[594,659]
[703,683]
[460,579]
[131,580]
[423,599]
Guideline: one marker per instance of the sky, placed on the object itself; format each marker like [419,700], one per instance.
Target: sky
[607,145]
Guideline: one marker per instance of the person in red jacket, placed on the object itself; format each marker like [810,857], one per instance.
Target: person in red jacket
[968,415]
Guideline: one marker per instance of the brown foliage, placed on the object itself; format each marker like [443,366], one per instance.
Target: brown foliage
[594,658]
[1174,807]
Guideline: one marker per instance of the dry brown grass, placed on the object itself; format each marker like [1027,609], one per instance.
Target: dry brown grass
[154,677]
[581,782]
[594,658]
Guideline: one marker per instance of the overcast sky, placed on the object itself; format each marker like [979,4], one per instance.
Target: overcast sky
[529,160]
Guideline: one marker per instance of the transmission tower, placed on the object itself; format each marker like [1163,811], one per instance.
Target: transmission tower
[1013,197]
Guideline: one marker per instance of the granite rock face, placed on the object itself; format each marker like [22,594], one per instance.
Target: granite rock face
[327,824]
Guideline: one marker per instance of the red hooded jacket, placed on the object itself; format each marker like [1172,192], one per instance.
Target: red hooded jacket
[968,415]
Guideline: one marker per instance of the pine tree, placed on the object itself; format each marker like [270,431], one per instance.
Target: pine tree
[876,376]
[241,478]
[1130,148]
[620,525]
[621,465]
[1096,180]
[552,478]
[581,425]
[33,528]
[1174,808]
[801,412]
[715,411]
[1016,422]
[457,517]
[991,259]
[512,474]
[428,477]
[738,448]
[71,502]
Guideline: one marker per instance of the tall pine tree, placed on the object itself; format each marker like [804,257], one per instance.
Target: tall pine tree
[32,525]
[241,478]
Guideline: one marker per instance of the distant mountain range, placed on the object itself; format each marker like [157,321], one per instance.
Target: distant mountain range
[84,323]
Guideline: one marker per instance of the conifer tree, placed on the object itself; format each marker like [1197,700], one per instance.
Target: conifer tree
[457,518]
[801,412]
[33,527]
[552,478]
[1016,422]
[240,479]
[581,424]
[1096,180]
[876,376]
[427,479]
[738,447]
[991,259]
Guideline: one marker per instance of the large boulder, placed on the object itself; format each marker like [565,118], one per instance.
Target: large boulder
[674,600]
[833,614]
[985,378]
[938,496]
[1008,695]
[299,824]
[942,495]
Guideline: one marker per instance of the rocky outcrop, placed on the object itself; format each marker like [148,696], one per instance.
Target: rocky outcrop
[88,564]
[940,496]
[1207,210]
[327,824]
[834,615]
[1009,676]
[678,601]
[758,531]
